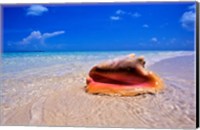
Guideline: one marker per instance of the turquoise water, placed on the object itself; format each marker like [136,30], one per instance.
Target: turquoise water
[17,62]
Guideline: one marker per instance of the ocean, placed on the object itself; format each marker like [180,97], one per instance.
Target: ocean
[13,64]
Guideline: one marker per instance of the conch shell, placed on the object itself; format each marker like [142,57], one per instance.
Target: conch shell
[124,76]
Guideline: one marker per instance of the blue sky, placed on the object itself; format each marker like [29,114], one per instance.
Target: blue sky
[89,27]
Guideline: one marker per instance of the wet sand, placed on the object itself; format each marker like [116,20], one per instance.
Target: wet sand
[67,104]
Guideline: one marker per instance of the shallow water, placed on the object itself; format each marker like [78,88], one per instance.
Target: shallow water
[17,62]
[48,89]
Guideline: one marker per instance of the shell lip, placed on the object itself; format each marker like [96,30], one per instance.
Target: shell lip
[124,76]
[119,77]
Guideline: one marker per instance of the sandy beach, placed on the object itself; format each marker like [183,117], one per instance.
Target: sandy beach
[57,61]
[66,103]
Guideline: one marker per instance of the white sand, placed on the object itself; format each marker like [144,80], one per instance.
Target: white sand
[67,104]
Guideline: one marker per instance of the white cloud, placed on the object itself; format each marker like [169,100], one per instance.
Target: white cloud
[35,35]
[135,14]
[48,35]
[119,14]
[115,18]
[36,10]
[188,18]
[192,6]
[38,37]
[154,39]
[145,26]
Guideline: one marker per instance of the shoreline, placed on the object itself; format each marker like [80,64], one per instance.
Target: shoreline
[69,105]
[180,64]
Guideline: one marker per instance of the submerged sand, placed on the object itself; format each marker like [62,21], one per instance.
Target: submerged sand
[67,104]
